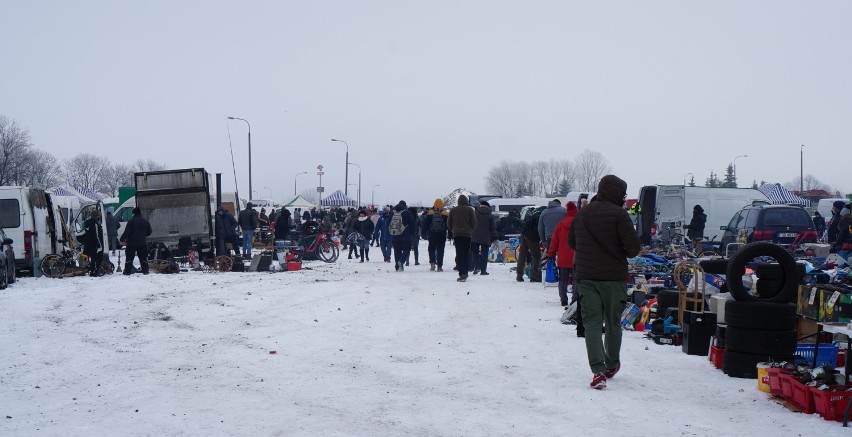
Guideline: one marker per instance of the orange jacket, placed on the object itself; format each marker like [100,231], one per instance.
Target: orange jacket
[559,241]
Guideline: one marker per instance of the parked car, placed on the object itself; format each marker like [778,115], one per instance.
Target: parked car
[7,261]
[780,224]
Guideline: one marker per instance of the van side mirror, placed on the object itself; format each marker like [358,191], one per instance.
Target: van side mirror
[7,241]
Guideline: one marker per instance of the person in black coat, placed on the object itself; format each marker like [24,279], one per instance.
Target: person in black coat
[282,224]
[112,225]
[364,227]
[402,241]
[696,227]
[248,223]
[135,239]
[819,224]
[226,232]
[93,245]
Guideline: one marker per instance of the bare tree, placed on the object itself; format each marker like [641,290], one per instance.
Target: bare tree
[14,143]
[39,169]
[141,165]
[117,175]
[589,168]
[811,183]
[87,171]
[499,179]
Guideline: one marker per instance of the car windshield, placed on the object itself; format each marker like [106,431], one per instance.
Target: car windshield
[786,217]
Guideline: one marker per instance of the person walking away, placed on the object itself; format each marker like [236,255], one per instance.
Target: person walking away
[563,253]
[483,235]
[400,225]
[93,245]
[349,231]
[530,247]
[282,224]
[819,225]
[374,217]
[415,236]
[435,230]
[248,223]
[135,240]
[226,232]
[462,221]
[696,228]
[833,229]
[364,227]
[603,239]
[547,221]
[383,234]
[112,225]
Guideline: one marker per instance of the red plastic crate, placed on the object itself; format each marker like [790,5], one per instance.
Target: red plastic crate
[786,386]
[803,397]
[717,356]
[774,374]
[831,404]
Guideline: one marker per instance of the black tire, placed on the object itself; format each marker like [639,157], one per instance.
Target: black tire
[760,315]
[667,299]
[767,288]
[761,342]
[4,278]
[768,271]
[736,269]
[714,266]
[10,264]
[741,365]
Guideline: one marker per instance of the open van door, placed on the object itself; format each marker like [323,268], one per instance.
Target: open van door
[80,222]
[645,226]
[670,211]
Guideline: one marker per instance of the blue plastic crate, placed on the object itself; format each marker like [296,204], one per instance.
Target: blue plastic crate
[826,356]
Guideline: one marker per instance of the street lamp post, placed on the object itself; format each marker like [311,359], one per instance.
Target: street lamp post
[802,169]
[295,178]
[359,182]
[373,195]
[735,165]
[249,147]
[346,181]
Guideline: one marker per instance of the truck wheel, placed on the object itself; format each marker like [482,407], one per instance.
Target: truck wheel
[741,365]
[4,278]
[737,265]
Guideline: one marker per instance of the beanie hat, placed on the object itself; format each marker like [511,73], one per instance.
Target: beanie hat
[137,211]
[439,203]
[484,203]
[838,204]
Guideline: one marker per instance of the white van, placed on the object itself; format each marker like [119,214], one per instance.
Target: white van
[505,205]
[29,217]
[124,213]
[666,209]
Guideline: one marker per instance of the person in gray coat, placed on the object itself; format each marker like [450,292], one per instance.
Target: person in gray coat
[547,221]
[484,233]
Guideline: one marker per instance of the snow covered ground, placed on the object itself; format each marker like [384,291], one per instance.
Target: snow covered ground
[344,349]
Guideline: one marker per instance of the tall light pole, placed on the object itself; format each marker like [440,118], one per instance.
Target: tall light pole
[373,196]
[295,178]
[270,194]
[684,178]
[346,181]
[359,182]
[735,164]
[802,169]
[249,148]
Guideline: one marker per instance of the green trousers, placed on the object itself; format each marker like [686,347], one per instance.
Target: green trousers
[603,302]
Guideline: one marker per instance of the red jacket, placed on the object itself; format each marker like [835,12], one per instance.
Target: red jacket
[559,241]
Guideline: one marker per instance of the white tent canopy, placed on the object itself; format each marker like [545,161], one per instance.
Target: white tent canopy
[298,202]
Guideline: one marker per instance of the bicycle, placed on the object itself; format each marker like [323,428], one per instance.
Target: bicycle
[321,247]
[681,246]
[54,265]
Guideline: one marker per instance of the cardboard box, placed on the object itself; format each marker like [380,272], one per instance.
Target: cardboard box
[807,305]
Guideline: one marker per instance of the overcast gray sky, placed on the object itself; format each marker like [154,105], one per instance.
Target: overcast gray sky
[430,95]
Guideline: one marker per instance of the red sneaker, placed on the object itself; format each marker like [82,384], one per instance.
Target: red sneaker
[611,372]
[599,381]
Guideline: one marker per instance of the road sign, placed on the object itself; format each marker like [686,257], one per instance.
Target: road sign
[320,173]
[320,189]
[319,167]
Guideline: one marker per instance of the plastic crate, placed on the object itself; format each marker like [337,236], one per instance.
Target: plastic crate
[826,356]
[775,374]
[831,404]
[717,356]
[786,386]
[803,397]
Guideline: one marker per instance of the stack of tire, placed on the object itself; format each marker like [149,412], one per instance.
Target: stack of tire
[761,326]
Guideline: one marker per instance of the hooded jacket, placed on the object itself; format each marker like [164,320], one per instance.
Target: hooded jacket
[282,224]
[486,226]
[436,213]
[559,246]
[408,221]
[549,218]
[137,230]
[226,224]
[462,219]
[696,225]
[364,226]
[248,218]
[603,236]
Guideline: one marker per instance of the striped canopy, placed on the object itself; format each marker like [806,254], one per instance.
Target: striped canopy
[777,194]
[337,198]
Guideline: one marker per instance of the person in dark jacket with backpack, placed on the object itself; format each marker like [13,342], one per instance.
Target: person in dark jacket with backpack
[226,232]
[135,239]
[462,221]
[93,245]
[435,230]
[603,237]
[248,223]
[483,235]
[696,227]
[401,224]
[530,247]
[382,233]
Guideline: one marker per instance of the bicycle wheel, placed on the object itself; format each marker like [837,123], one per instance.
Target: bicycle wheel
[53,266]
[224,263]
[328,251]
